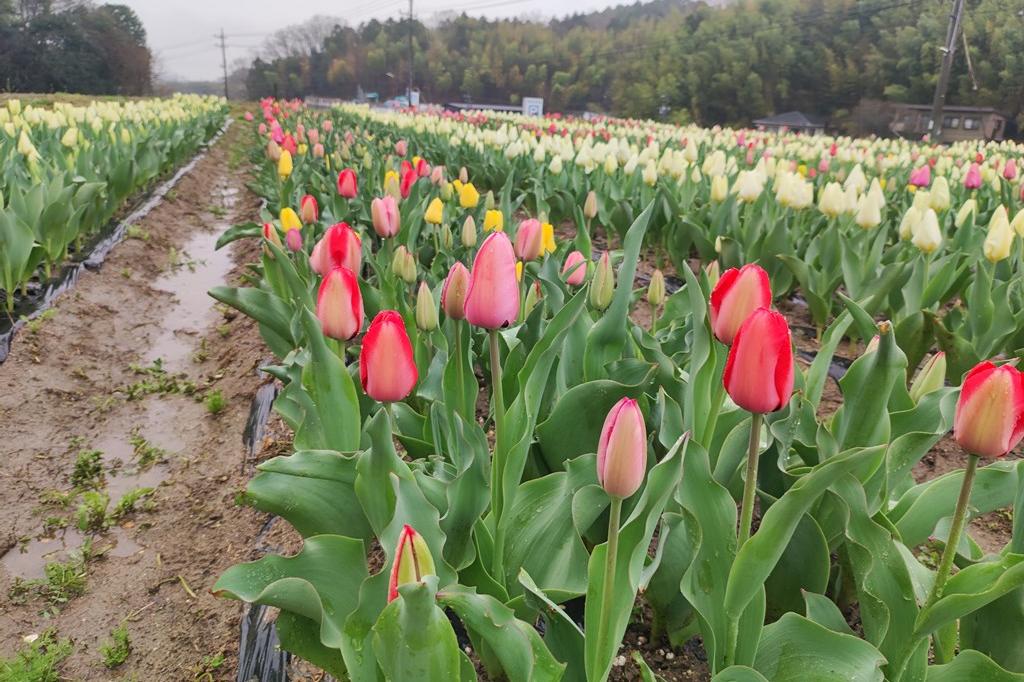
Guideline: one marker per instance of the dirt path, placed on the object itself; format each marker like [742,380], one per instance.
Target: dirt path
[133,364]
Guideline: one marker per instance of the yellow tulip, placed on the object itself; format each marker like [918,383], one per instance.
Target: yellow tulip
[1000,236]
[1018,223]
[290,219]
[435,212]
[468,196]
[392,186]
[832,201]
[494,220]
[284,164]
[547,238]
[719,188]
[969,208]
[927,235]
[519,271]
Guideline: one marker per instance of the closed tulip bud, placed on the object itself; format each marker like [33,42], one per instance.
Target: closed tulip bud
[274,152]
[713,271]
[738,293]
[590,205]
[972,179]
[437,175]
[938,197]
[409,178]
[969,209]
[468,196]
[930,378]
[622,450]
[426,309]
[575,268]
[529,239]
[387,369]
[284,164]
[533,296]
[989,419]
[262,129]
[463,175]
[447,240]
[656,289]
[1010,170]
[412,561]
[759,371]
[999,240]
[386,216]
[308,209]
[468,237]
[293,238]
[70,137]
[832,201]
[921,177]
[492,299]
[318,150]
[719,188]
[447,191]
[489,201]
[401,147]
[602,286]
[339,305]
[347,183]
[868,213]
[494,220]
[927,235]
[1018,223]
[340,246]
[271,235]
[403,264]
[748,186]
[289,219]
[453,294]
[435,212]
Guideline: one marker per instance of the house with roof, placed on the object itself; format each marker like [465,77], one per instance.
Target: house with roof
[793,122]
[958,122]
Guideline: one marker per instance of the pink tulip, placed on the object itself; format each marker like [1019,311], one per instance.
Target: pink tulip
[453,294]
[248,116]
[492,300]
[386,217]
[313,135]
[339,304]
[921,177]
[401,147]
[293,238]
[736,295]
[437,175]
[972,180]
[577,261]
[328,125]
[318,150]
[622,450]
[989,419]
[1010,170]
[759,371]
[387,370]
[262,129]
[308,210]
[340,246]
[347,184]
[529,239]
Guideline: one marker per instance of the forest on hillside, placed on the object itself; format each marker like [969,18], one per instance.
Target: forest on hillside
[676,59]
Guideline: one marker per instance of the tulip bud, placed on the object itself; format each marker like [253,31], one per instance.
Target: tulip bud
[426,309]
[387,370]
[308,209]
[489,201]
[391,186]
[989,419]
[927,236]
[318,150]
[289,219]
[274,151]
[435,212]
[719,189]
[386,216]
[446,191]
[494,220]
[447,240]
[533,296]
[656,289]
[602,286]
[463,175]
[468,236]
[738,294]
[271,235]
[347,183]
[999,240]
[972,179]
[869,214]
[492,298]
[1017,224]
[468,196]
[939,198]
[339,305]
[293,238]
[340,246]
[931,377]
[759,371]
[453,293]
[403,264]
[401,147]
[590,205]
[412,561]
[713,271]
[529,239]
[576,267]
[437,175]
[409,178]
[284,164]
[622,450]
[969,208]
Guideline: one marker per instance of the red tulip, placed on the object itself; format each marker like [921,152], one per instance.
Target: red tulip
[622,450]
[339,304]
[340,246]
[411,562]
[386,218]
[529,239]
[737,294]
[387,370]
[422,168]
[289,143]
[308,209]
[409,178]
[492,300]
[576,265]
[989,417]
[759,372]
[453,294]
[347,184]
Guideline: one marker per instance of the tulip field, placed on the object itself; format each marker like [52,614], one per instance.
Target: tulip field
[499,468]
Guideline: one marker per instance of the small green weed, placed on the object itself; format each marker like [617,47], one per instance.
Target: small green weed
[136,232]
[156,379]
[91,516]
[215,402]
[35,324]
[115,651]
[58,498]
[145,452]
[126,505]
[38,661]
[88,471]
[204,670]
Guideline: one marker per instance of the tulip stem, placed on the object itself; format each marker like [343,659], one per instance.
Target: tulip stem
[499,422]
[609,575]
[959,520]
[750,484]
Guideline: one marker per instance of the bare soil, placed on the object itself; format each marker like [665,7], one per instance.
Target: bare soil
[86,378]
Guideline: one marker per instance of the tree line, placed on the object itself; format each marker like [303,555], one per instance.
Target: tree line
[677,60]
[77,47]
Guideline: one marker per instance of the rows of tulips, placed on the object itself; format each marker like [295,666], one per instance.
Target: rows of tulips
[923,235]
[65,171]
[682,462]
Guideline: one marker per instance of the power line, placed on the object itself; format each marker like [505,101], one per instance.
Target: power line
[224,60]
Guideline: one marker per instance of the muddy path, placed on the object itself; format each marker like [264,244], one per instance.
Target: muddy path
[121,416]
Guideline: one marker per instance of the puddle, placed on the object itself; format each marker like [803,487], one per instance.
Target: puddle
[28,561]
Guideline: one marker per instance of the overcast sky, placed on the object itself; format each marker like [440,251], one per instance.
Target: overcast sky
[181,32]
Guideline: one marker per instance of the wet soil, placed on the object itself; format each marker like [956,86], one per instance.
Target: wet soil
[130,364]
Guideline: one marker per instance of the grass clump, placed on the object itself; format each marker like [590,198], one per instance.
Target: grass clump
[126,505]
[88,471]
[156,379]
[215,402]
[91,515]
[38,661]
[115,651]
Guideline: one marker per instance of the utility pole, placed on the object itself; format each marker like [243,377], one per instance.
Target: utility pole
[223,58]
[949,51]
[409,93]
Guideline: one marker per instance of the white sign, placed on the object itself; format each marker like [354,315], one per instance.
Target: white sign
[533,106]
[414,98]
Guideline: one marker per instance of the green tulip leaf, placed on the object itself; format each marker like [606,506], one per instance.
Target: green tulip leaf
[972,666]
[972,588]
[795,648]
